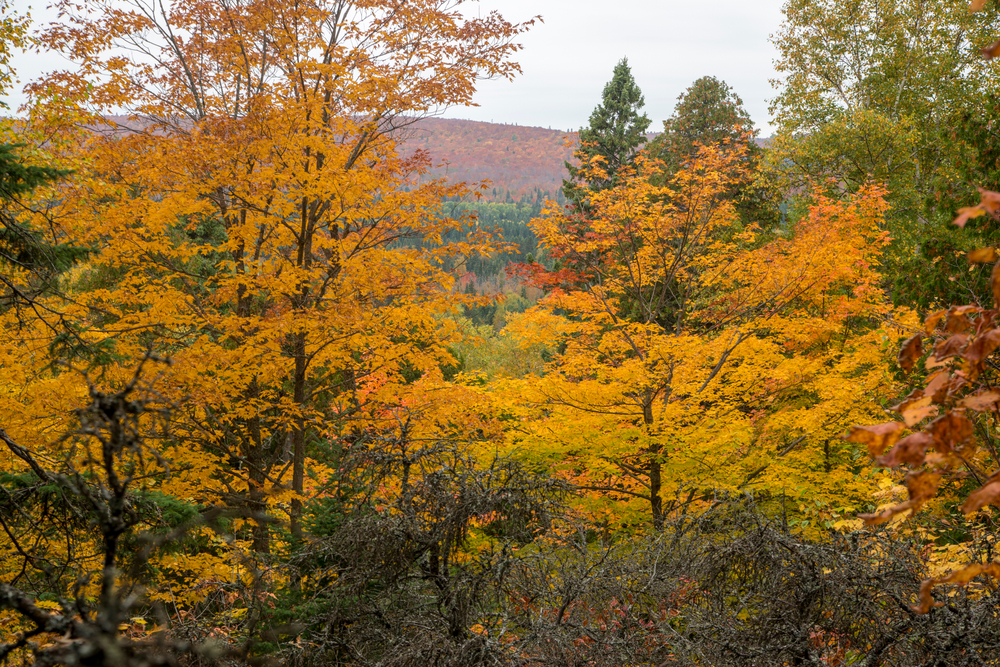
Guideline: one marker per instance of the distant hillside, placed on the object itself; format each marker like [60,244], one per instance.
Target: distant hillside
[518,160]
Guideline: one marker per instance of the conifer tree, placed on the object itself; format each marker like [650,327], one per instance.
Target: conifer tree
[616,130]
[708,112]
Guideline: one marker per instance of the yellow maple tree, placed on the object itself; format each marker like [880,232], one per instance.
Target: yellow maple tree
[238,186]
[700,355]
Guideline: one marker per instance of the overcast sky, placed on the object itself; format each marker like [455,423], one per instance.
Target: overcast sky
[568,58]
[668,43]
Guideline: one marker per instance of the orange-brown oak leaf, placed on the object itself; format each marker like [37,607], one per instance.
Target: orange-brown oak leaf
[984,401]
[937,386]
[961,577]
[878,438]
[950,347]
[932,320]
[949,430]
[910,351]
[910,449]
[982,346]
[983,255]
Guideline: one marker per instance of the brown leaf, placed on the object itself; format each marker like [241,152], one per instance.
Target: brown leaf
[995,283]
[910,400]
[949,430]
[961,577]
[937,388]
[957,321]
[982,255]
[984,401]
[912,403]
[932,320]
[910,449]
[950,347]
[910,351]
[989,200]
[987,494]
[977,5]
[930,363]
[915,415]
[878,438]
[876,519]
[926,600]
[922,487]
[983,345]
[968,213]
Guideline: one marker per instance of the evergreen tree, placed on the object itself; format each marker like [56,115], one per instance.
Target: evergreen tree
[708,112]
[616,130]
[24,251]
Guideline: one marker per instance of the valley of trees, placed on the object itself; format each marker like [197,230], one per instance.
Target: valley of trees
[276,390]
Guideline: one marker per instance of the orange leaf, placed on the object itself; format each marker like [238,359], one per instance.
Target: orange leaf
[984,401]
[878,438]
[922,487]
[911,417]
[949,430]
[909,353]
[981,255]
[987,494]
[967,213]
[995,283]
[910,449]
[951,347]
[977,5]
[938,386]
[961,577]
[911,401]
[932,320]
[982,346]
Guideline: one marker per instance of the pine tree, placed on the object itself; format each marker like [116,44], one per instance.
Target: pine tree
[616,130]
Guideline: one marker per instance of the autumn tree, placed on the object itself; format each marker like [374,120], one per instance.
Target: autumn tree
[694,356]
[710,112]
[615,132]
[872,90]
[28,263]
[241,208]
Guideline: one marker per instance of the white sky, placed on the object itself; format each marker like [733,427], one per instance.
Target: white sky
[568,58]
[669,44]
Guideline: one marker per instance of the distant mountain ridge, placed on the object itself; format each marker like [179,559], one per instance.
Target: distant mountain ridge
[518,160]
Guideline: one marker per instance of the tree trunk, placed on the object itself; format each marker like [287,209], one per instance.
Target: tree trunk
[655,480]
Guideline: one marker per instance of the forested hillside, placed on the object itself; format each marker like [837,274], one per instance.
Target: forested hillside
[516,160]
[281,384]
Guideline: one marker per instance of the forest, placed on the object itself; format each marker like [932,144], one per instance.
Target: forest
[275,392]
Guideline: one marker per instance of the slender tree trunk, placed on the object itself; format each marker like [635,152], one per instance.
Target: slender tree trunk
[300,303]
[655,479]
[299,434]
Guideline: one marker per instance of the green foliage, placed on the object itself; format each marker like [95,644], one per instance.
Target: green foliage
[616,130]
[492,353]
[708,112]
